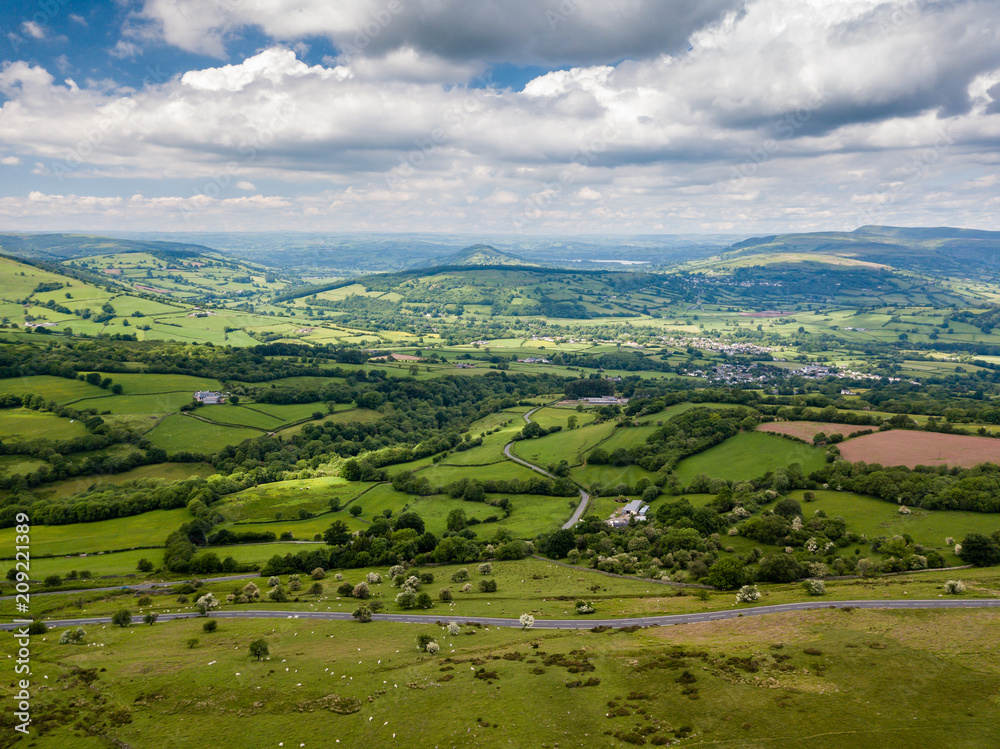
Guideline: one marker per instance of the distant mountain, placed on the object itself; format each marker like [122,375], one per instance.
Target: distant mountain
[55,247]
[931,250]
[476,255]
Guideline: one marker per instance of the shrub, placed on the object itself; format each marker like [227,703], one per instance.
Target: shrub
[122,618]
[37,627]
[374,578]
[72,636]
[527,621]
[273,580]
[445,595]
[432,647]
[192,642]
[453,628]
[461,575]
[318,574]
[424,600]
[277,594]
[206,603]
[584,607]
[814,587]
[345,589]
[467,588]
[316,588]
[954,587]
[210,626]
[747,594]
[52,581]
[145,601]
[363,614]
[150,618]
[361,591]
[406,599]
[294,583]
[488,586]
[486,568]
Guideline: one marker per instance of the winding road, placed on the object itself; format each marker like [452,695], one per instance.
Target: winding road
[584,496]
[578,623]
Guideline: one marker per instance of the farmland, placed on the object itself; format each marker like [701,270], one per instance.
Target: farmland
[748,455]
[806,430]
[922,448]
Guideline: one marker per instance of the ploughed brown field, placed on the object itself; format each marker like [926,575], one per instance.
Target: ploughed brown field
[900,447]
[805,430]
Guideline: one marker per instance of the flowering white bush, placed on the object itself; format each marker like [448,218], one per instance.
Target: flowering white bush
[406,599]
[797,523]
[467,588]
[584,607]
[396,569]
[527,621]
[904,510]
[273,580]
[206,603]
[949,541]
[374,578]
[486,568]
[815,587]
[741,512]
[72,636]
[747,594]
[954,587]
[958,550]
[432,647]
[812,545]
[818,569]
[732,531]
[453,628]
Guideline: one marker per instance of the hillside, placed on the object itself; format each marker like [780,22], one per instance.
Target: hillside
[476,255]
[932,251]
[66,246]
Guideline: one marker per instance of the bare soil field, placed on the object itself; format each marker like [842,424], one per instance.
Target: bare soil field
[900,447]
[805,430]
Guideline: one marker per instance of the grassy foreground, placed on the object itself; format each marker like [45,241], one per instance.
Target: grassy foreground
[849,679]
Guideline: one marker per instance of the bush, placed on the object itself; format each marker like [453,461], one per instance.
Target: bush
[210,626]
[423,640]
[145,601]
[815,587]
[445,595]
[37,627]
[122,618]
[747,594]
[72,636]
[273,580]
[584,607]
[488,586]
[361,591]
[192,642]
[467,588]
[294,583]
[407,599]
[277,594]
[460,576]
[453,628]
[363,614]
[432,647]
[486,568]
[52,581]
[316,589]
[954,587]
[374,578]
[424,600]
[318,574]
[150,618]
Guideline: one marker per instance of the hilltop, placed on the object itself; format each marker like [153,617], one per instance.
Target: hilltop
[57,247]
[477,255]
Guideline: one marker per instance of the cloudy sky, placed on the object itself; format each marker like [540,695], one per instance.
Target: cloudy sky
[501,116]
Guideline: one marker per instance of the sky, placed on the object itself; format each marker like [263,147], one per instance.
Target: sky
[499,116]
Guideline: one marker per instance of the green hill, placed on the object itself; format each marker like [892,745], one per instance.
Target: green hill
[477,255]
[66,246]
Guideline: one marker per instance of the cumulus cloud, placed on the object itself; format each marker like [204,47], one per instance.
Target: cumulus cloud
[520,31]
[781,112]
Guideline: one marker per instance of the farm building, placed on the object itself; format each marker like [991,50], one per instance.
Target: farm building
[606,400]
[209,397]
[635,509]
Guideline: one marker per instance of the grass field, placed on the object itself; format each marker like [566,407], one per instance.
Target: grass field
[23,424]
[58,389]
[284,499]
[875,678]
[874,517]
[165,471]
[178,433]
[747,455]
[147,529]
[570,444]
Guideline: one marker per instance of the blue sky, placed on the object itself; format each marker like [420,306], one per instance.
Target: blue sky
[541,116]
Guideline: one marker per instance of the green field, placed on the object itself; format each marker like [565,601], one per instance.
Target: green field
[22,425]
[147,529]
[284,499]
[570,445]
[748,455]
[58,389]
[165,471]
[178,433]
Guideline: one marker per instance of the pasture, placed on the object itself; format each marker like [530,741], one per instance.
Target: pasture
[23,425]
[747,455]
[178,433]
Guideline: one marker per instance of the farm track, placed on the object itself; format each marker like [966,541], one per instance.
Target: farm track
[584,496]
[581,623]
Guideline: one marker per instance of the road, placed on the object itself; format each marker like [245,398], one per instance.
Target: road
[578,623]
[138,586]
[584,496]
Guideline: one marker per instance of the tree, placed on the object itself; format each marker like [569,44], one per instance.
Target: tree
[192,642]
[122,618]
[150,618]
[410,520]
[337,534]
[980,550]
[488,586]
[486,568]
[72,636]
[456,520]
[780,568]
[747,594]
[361,590]
[210,626]
[527,621]
[52,581]
[145,565]
[788,508]
[729,573]
[259,649]
[355,511]
[814,587]
[558,544]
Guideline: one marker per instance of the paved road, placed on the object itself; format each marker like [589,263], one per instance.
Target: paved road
[138,586]
[579,623]
[584,496]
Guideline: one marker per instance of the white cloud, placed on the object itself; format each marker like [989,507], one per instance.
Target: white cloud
[791,111]
[124,49]
[33,29]
[10,161]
